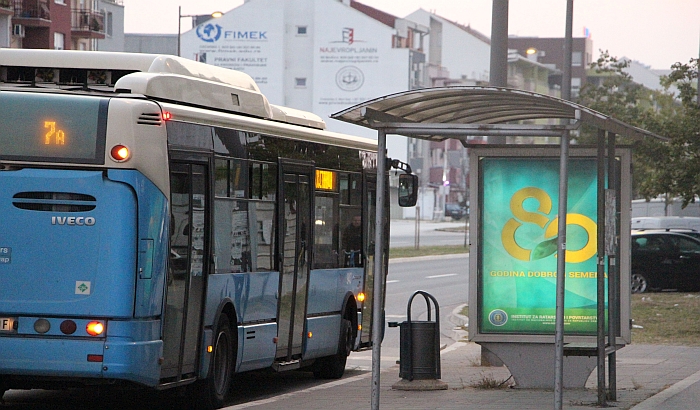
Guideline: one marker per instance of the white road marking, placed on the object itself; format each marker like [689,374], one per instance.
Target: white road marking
[441,276]
[289,395]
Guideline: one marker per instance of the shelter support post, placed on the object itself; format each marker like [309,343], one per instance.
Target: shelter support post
[613,267]
[561,273]
[600,279]
[378,301]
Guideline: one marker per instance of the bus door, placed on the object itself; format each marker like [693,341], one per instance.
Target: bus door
[295,206]
[369,209]
[189,245]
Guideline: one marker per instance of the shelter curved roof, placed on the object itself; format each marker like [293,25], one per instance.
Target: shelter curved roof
[436,110]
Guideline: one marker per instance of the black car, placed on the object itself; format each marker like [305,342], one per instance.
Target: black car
[665,260]
[455,211]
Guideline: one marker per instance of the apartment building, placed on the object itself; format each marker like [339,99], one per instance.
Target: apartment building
[54,24]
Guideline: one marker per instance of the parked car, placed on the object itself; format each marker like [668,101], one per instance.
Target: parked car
[666,222]
[664,260]
[690,232]
[455,211]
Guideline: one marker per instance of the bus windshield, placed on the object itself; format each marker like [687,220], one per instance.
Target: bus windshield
[52,128]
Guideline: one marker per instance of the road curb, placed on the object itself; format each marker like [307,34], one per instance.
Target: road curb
[458,333]
[656,400]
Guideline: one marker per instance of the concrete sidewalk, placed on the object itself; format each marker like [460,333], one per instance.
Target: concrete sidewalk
[643,371]
[648,377]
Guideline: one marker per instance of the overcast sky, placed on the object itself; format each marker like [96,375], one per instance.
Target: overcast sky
[657,33]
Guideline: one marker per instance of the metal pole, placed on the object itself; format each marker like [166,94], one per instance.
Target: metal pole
[498,68]
[466,229]
[498,71]
[378,302]
[613,274]
[561,273]
[179,17]
[568,46]
[561,241]
[416,243]
[600,281]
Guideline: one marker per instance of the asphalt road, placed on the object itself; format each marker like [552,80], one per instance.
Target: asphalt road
[403,233]
[445,277]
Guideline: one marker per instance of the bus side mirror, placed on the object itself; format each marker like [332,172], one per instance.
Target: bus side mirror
[408,190]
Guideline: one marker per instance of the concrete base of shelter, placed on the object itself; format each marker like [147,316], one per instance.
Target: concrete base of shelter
[419,385]
[532,365]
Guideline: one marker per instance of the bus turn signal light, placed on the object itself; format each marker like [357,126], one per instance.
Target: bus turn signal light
[120,153]
[95,328]
[361,297]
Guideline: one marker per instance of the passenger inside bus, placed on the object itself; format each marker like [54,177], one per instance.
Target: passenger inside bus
[352,242]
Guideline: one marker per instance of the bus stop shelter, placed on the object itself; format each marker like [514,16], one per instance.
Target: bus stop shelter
[464,113]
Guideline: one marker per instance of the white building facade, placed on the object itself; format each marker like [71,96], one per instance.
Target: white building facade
[6,27]
[457,54]
[113,25]
[316,55]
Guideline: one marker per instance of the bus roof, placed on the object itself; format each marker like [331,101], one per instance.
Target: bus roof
[196,83]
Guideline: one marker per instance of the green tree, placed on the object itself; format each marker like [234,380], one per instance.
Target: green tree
[682,125]
[660,168]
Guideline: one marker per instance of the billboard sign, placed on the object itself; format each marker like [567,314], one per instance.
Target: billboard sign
[516,263]
[519,246]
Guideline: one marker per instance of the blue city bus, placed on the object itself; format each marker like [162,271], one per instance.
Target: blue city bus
[164,225]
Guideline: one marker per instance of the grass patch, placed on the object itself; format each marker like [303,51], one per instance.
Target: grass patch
[487,381]
[409,252]
[666,318]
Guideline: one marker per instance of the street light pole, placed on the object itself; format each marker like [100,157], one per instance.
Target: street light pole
[179,17]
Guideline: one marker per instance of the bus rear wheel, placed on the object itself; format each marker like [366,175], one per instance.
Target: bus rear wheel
[212,392]
[333,367]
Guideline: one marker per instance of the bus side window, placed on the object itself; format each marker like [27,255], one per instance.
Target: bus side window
[326,233]
[350,219]
[231,236]
[350,189]
[351,237]
[263,181]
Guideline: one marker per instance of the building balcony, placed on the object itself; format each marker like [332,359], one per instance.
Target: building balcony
[87,23]
[6,7]
[31,13]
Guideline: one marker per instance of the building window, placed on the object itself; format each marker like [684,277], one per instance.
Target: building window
[301,30]
[59,1]
[300,82]
[108,23]
[58,41]
[576,59]
[575,87]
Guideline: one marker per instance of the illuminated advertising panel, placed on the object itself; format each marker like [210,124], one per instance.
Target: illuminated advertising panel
[518,240]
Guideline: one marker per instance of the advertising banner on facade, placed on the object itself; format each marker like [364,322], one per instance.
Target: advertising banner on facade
[354,60]
[242,41]
[519,232]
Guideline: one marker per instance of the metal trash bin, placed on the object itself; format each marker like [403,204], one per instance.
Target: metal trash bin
[419,355]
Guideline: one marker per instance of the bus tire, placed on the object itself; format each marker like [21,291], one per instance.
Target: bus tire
[333,367]
[212,391]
